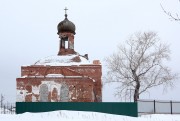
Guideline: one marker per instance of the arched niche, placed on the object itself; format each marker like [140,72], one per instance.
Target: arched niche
[64,96]
[44,93]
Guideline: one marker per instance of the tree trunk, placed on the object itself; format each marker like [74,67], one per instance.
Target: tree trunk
[136,92]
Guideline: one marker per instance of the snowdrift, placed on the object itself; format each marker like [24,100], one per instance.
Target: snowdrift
[84,116]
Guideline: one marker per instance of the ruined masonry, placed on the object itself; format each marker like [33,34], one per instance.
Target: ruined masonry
[67,77]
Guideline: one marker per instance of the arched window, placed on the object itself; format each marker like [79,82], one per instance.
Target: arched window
[64,97]
[44,93]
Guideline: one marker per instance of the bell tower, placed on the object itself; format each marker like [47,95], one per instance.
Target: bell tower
[66,32]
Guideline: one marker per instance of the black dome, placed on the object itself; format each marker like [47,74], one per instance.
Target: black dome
[66,26]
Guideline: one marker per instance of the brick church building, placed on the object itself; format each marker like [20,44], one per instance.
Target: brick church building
[67,77]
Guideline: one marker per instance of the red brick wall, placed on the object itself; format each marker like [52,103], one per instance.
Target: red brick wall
[90,81]
[80,88]
[95,72]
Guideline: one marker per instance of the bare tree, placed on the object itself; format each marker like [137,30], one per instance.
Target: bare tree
[1,100]
[138,65]
[172,16]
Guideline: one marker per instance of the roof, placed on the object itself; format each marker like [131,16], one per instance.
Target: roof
[63,60]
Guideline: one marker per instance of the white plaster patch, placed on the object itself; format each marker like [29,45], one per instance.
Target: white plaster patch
[33,98]
[20,95]
[35,90]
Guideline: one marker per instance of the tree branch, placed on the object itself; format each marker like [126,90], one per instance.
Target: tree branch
[170,15]
[139,64]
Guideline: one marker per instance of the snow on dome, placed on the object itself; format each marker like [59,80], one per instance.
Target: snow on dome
[64,60]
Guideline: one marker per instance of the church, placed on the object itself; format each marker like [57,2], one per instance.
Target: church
[66,77]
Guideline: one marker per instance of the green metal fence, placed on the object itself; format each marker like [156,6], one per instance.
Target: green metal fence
[129,109]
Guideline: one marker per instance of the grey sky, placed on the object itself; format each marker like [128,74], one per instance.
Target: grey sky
[28,33]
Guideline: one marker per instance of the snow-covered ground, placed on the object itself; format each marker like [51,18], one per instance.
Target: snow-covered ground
[7,111]
[84,116]
[3,110]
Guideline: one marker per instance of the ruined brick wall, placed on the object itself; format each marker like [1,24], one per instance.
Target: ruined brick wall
[79,89]
[95,72]
[45,70]
[84,77]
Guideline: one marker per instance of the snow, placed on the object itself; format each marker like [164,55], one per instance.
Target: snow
[55,75]
[84,116]
[74,76]
[65,60]
[2,110]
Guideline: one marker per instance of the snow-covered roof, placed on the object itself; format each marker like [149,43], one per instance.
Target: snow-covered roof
[64,60]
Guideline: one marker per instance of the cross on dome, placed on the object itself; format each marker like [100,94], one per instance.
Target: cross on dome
[65,10]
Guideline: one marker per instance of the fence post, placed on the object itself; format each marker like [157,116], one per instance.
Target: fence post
[154,106]
[171,107]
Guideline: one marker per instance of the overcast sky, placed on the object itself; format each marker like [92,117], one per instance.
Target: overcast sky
[28,32]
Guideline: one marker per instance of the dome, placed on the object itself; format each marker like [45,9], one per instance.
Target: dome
[66,26]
